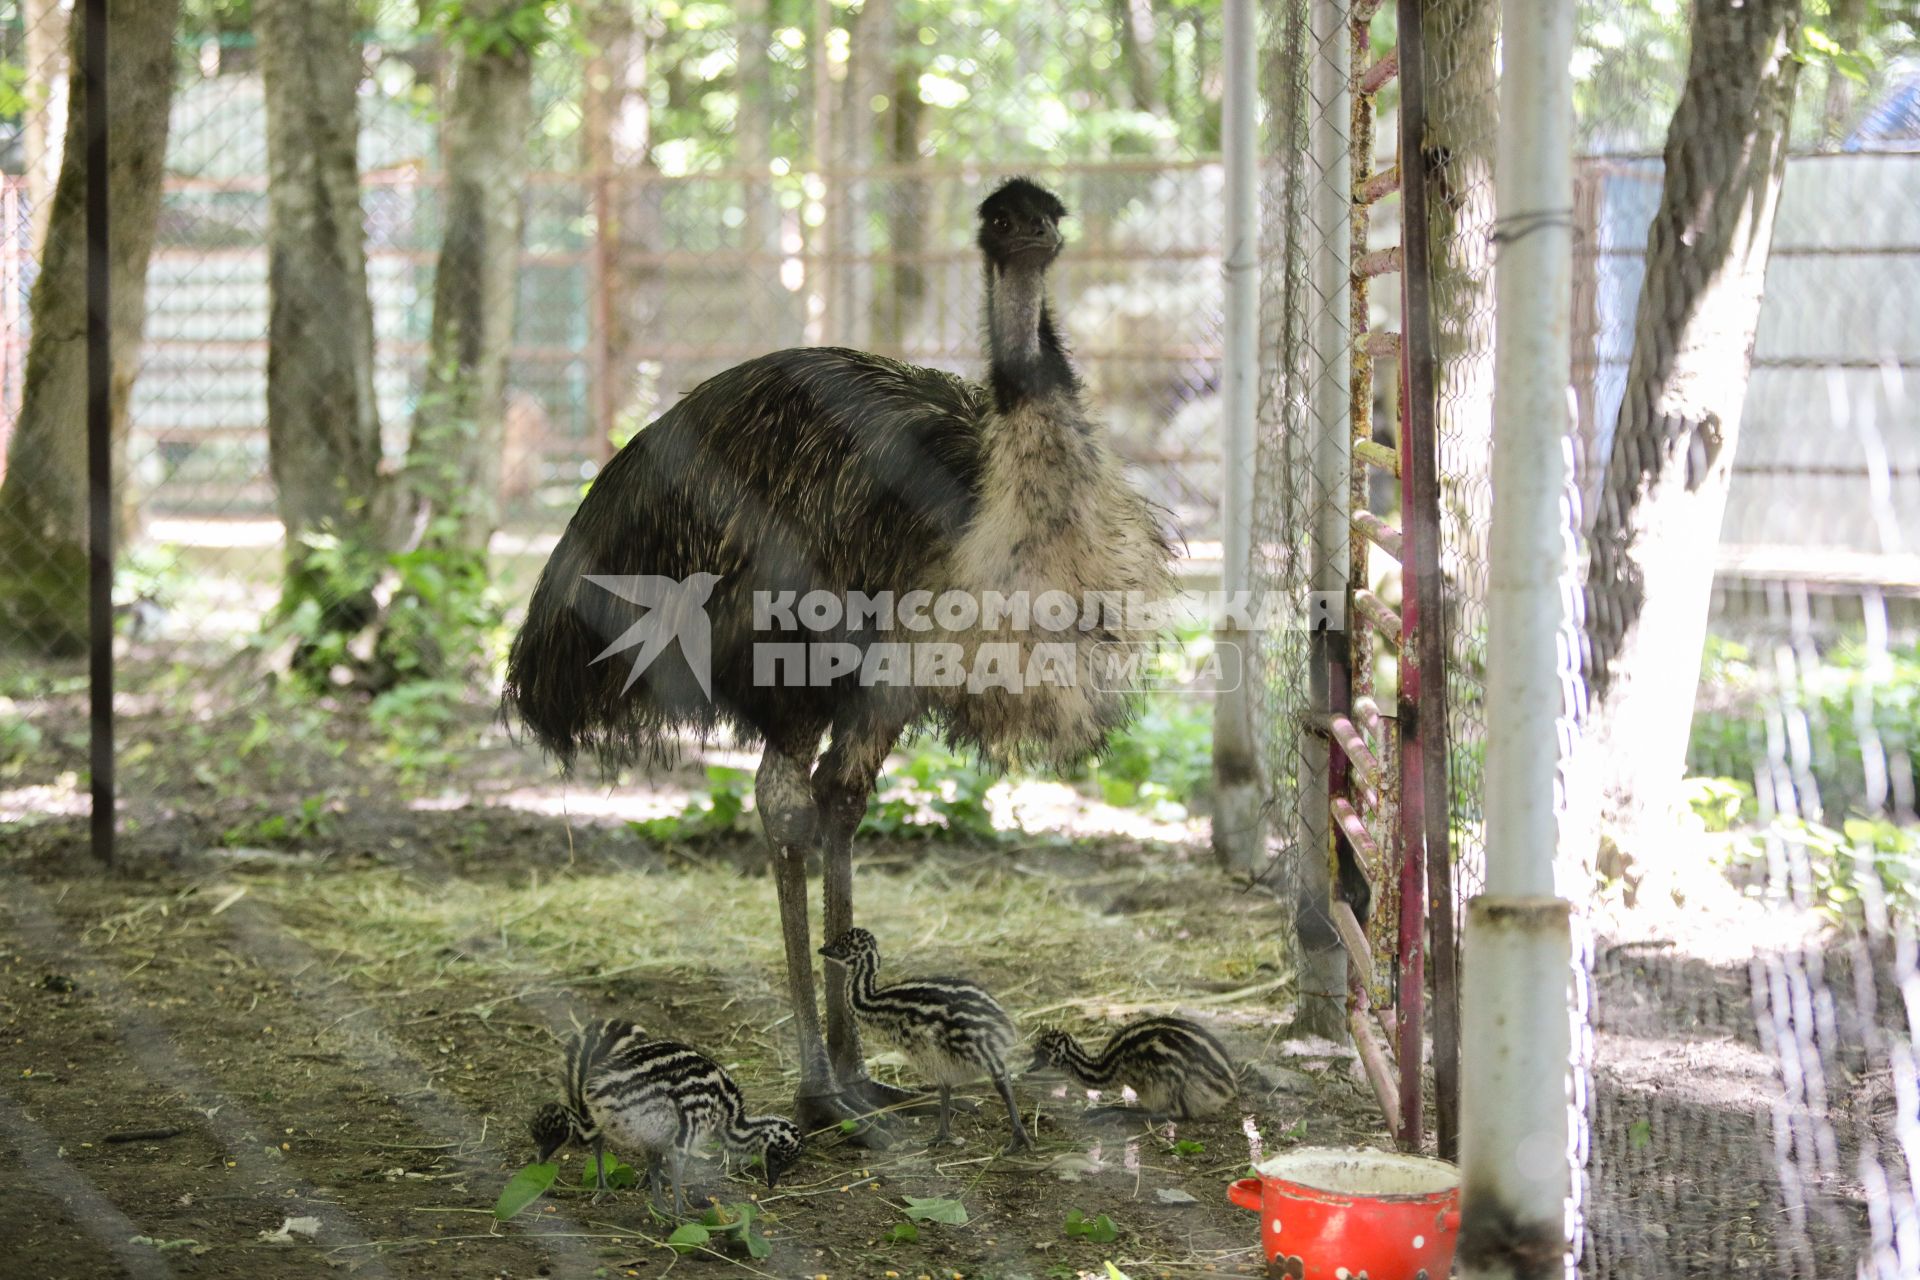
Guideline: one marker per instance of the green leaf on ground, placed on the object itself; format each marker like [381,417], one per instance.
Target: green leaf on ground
[523,1188]
[687,1237]
[936,1209]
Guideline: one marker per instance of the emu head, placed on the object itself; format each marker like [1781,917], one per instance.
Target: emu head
[783,1146]
[1020,226]
[552,1128]
[1050,1049]
[855,948]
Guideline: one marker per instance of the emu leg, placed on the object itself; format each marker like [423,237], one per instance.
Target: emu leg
[842,786]
[653,1182]
[1021,1142]
[785,801]
[600,1167]
[944,1134]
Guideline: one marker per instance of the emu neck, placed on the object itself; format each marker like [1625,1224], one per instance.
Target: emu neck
[863,984]
[1086,1068]
[1028,360]
[749,1134]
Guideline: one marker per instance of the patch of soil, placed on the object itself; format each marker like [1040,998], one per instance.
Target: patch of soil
[156,999]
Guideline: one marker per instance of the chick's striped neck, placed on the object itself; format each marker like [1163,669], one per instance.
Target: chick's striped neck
[1086,1067]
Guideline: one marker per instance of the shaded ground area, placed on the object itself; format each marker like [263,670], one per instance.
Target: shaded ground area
[334,996]
[1744,1057]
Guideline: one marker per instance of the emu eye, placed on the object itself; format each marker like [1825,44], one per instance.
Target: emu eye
[1000,222]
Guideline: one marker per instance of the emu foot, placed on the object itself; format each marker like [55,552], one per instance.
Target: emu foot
[907,1102]
[817,1112]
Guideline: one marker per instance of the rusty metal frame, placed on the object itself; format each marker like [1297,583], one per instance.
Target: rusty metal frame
[1424,812]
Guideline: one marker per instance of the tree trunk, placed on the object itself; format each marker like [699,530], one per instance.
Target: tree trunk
[909,210]
[1651,574]
[45,90]
[870,36]
[1133,20]
[1459,143]
[777,321]
[323,426]
[43,501]
[453,459]
[453,462]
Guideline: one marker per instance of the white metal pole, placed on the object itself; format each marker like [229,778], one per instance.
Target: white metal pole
[1239,832]
[1516,1074]
[1323,966]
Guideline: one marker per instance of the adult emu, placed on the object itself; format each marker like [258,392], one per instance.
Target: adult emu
[836,471]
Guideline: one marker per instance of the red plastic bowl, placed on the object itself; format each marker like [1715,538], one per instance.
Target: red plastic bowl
[1350,1214]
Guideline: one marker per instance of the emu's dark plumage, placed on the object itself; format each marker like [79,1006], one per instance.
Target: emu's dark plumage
[837,471]
[813,468]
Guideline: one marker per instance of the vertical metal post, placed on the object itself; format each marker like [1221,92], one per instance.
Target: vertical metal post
[1516,1082]
[1323,964]
[1239,830]
[601,355]
[100,495]
[1426,837]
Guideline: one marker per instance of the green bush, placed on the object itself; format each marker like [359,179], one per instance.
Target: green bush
[1850,703]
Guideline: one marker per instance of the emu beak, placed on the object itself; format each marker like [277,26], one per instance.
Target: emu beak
[773,1177]
[1039,1062]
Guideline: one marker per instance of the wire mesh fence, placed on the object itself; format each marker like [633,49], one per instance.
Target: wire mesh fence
[698,192]
[1706,1176]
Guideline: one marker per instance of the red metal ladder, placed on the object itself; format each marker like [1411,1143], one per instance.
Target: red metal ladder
[1392,769]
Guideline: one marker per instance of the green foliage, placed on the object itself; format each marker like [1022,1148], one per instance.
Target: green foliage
[1850,702]
[421,726]
[1720,804]
[20,738]
[936,1209]
[503,30]
[903,1233]
[731,1225]
[1164,762]
[719,810]
[620,1175]
[523,1188]
[311,821]
[1832,868]
[936,793]
[1187,1147]
[1097,1230]
[444,618]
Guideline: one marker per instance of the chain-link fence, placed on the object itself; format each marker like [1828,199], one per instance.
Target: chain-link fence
[695,192]
[707,185]
[1727,1076]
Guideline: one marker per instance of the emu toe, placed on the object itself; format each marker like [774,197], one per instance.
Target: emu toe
[906,1102]
[825,1112]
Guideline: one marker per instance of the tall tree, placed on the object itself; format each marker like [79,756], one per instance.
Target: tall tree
[43,500]
[323,425]
[1651,573]
[45,86]
[1133,23]
[453,459]
[910,208]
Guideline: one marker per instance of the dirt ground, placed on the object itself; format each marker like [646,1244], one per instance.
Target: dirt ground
[353,1025]
[325,984]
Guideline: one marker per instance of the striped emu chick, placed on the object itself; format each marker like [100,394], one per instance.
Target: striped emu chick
[1174,1067]
[950,1029]
[662,1099]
